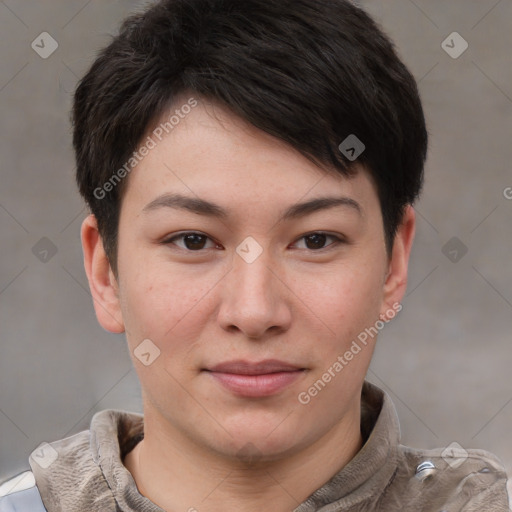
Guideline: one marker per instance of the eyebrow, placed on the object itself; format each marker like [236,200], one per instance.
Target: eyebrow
[210,209]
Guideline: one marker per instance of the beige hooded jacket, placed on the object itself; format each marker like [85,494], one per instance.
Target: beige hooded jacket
[88,474]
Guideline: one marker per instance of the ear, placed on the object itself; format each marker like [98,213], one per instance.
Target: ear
[102,282]
[396,279]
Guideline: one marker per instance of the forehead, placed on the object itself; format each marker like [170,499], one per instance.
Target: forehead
[207,152]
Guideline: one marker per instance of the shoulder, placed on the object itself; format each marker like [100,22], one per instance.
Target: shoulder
[20,493]
[450,478]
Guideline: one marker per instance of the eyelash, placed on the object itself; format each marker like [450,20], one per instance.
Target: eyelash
[337,240]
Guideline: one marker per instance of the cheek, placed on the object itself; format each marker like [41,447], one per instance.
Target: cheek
[161,304]
[346,301]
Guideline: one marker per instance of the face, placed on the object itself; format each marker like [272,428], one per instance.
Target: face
[248,298]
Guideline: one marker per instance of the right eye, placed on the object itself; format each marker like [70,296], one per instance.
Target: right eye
[191,241]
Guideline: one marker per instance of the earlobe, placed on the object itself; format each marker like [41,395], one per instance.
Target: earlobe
[396,278]
[102,282]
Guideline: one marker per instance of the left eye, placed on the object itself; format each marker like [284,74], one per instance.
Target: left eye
[316,241]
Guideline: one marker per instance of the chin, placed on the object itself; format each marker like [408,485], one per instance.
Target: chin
[266,443]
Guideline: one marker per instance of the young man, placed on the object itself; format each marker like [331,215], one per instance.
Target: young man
[251,169]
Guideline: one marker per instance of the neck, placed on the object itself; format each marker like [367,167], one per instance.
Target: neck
[176,474]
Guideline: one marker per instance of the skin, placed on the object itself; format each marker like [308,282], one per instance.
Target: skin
[302,301]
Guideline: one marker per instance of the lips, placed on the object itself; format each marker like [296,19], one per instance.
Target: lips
[241,367]
[258,379]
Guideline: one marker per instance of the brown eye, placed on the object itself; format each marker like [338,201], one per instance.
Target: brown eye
[193,242]
[317,241]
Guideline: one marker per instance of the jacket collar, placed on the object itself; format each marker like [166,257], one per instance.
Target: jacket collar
[89,473]
[368,474]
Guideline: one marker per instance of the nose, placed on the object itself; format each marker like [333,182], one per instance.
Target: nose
[255,299]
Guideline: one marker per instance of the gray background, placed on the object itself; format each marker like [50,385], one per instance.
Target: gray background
[445,360]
